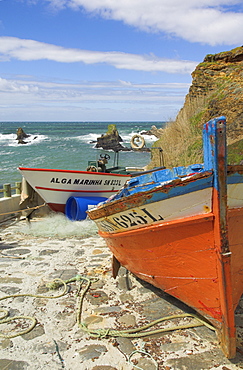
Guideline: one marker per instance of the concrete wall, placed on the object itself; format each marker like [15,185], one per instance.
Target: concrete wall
[10,204]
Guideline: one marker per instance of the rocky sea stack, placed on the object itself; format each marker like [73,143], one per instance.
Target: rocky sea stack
[111,140]
[21,135]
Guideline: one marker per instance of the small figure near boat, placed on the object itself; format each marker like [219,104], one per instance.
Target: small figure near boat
[101,164]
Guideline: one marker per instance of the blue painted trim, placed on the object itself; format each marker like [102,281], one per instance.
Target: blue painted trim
[162,192]
[210,146]
[160,178]
[235,178]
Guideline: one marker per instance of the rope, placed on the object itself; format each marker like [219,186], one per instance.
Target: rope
[99,333]
[55,284]
[144,353]
[4,320]
[58,354]
[22,210]
[135,333]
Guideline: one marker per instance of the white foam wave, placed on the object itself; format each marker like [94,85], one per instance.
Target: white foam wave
[128,136]
[10,139]
[89,138]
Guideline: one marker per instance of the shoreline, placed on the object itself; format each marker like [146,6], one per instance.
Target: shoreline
[35,253]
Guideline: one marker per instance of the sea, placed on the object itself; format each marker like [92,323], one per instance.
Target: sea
[65,145]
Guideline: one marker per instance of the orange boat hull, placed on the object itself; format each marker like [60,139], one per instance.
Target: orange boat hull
[182,258]
[196,258]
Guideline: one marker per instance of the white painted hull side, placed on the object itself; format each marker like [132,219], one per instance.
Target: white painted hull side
[179,207]
[186,205]
[56,186]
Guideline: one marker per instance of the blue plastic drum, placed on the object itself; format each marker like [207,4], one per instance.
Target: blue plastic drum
[76,207]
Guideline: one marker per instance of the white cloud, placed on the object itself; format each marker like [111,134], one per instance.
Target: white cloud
[205,21]
[16,86]
[26,98]
[29,50]
[89,90]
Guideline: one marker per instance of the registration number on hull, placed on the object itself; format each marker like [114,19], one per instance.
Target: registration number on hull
[128,220]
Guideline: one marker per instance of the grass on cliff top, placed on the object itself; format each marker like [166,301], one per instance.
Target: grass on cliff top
[235,152]
[182,145]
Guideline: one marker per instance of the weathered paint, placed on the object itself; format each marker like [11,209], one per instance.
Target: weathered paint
[197,257]
[173,208]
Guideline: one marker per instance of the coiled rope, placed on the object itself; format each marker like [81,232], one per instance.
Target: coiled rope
[5,319]
[98,333]
[130,333]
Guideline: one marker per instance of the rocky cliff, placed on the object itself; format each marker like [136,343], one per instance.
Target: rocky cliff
[216,90]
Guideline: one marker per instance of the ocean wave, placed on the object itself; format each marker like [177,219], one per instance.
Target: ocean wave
[88,138]
[10,139]
[126,137]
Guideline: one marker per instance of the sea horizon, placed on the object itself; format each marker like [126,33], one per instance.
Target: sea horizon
[65,145]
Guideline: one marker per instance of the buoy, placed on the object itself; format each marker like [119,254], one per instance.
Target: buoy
[137,141]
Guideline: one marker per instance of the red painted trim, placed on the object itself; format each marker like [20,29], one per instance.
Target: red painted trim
[71,171]
[57,207]
[77,191]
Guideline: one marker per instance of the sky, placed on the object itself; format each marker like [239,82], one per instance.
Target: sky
[107,60]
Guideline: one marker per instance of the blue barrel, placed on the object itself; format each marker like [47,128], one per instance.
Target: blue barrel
[76,207]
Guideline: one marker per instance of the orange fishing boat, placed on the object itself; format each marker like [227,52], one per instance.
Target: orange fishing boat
[181,230]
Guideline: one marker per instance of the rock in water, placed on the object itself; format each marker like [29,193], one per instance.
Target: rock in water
[21,135]
[111,140]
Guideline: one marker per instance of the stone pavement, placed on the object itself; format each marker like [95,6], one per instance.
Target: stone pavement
[33,255]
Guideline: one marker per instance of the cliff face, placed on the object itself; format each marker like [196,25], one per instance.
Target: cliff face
[216,90]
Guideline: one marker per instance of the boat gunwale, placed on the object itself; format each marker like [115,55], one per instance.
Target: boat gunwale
[109,207]
[73,171]
[185,220]
[234,168]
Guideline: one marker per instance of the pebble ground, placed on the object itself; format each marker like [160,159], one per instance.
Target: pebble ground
[28,262]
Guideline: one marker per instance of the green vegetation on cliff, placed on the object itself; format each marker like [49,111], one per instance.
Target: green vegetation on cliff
[235,152]
[216,90]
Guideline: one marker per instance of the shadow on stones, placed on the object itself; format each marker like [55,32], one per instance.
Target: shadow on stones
[4,246]
[168,298]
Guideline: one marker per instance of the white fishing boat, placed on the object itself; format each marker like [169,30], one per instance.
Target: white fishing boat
[71,192]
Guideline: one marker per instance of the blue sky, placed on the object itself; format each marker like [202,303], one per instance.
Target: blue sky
[107,60]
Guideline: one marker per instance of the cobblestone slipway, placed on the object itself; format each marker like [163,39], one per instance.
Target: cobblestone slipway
[29,260]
